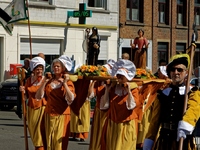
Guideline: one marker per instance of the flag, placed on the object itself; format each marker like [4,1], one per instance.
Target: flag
[4,20]
[17,10]
[14,12]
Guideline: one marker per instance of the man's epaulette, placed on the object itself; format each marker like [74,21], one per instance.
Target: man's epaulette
[195,88]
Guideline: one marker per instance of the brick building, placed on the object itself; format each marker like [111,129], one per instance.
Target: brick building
[167,24]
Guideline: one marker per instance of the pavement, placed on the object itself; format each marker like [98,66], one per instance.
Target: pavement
[12,134]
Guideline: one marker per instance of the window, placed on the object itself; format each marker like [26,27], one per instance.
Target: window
[134,10]
[163,11]
[162,51]
[197,11]
[97,3]
[181,12]
[180,48]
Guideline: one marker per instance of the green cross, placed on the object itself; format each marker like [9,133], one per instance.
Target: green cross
[81,14]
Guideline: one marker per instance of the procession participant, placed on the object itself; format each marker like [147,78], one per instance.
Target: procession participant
[27,69]
[162,62]
[59,92]
[168,110]
[119,131]
[35,109]
[140,46]
[80,121]
[162,74]
[98,88]
[151,92]
[93,47]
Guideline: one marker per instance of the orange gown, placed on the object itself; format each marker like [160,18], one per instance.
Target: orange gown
[57,116]
[120,128]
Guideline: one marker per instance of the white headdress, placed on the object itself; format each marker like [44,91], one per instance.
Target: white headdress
[34,62]
[67,62]
[124,67]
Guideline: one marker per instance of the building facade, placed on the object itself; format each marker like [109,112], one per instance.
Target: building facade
[167,24]
[54,33]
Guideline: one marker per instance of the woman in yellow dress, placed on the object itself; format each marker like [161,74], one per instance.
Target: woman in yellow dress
[59,92]
[35,109]
[120,102]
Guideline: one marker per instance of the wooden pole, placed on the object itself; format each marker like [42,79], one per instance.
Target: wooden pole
[21,77]
[192,51]
[29,29]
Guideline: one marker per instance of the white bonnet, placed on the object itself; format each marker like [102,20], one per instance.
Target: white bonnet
[124,67]
[109,65]
[34,62]
[67,62]
[111,62]
[163,70]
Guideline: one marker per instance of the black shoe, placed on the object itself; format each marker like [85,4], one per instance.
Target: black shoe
[73,139]
[82,140]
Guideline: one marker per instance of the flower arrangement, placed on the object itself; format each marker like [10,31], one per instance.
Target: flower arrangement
[89,70]
[144,74]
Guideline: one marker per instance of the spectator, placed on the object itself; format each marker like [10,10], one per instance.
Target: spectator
[125,56]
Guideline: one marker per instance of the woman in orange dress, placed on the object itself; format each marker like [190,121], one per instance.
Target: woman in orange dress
[35,109]
[59,92]
[99,115]
[120,102]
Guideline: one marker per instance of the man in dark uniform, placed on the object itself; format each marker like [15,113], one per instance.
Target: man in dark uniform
[19,95]
[167,114]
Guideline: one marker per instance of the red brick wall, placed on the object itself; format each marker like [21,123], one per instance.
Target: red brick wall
[156,32]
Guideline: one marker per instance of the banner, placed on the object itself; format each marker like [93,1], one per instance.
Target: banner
[14,12]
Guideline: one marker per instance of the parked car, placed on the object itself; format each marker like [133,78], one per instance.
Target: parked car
[8,93]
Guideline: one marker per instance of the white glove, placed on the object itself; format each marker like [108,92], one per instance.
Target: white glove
[181,134]
[148,144]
